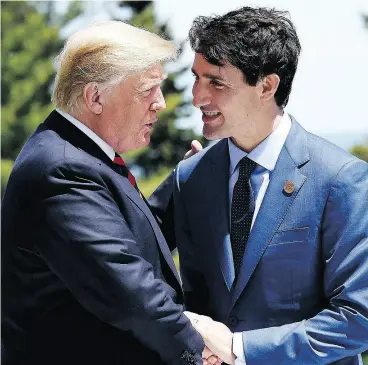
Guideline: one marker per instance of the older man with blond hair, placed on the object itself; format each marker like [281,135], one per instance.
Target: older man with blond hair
[87,275]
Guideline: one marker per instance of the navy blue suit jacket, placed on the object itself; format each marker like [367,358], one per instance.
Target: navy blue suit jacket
[302,292]
[87,276]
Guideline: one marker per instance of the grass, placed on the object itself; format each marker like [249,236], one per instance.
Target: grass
[148,186]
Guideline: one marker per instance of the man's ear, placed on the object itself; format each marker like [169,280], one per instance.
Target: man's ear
[92,98]
[270,83]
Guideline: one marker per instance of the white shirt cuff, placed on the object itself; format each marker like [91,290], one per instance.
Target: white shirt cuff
[238,348]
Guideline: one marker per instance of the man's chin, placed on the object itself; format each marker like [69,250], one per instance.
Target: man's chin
[211,134]
[142,142]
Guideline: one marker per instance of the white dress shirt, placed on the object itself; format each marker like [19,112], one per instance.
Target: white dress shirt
[265,155]
[95,138]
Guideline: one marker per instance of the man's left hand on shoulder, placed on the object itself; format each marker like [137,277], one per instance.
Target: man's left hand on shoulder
[195,148]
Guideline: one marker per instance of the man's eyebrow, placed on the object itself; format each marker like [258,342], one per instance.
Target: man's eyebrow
[209,76]
[159,79]
[153,82]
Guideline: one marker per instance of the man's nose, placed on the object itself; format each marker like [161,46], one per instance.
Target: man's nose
[201,96]
[160,103]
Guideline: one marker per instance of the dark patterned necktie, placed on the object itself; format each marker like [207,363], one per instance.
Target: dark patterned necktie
[119,161]
[242,209]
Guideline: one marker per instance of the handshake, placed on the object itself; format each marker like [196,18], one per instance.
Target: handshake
[217,337]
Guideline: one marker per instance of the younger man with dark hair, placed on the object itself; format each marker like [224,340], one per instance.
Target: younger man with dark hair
[270,222]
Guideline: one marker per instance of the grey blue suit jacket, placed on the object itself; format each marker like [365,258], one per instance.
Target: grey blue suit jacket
[87,276]
[302,292]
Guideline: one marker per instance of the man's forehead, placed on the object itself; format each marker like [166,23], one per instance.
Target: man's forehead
[203,67]
[155,72]
[153,76]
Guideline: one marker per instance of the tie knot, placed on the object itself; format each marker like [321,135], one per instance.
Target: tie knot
[246,167]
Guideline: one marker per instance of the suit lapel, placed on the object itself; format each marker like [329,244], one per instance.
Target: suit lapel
[161,241]
[142,204]
[216,196]
[275,204]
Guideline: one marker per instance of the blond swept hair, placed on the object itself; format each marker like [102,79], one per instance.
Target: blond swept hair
[105,53]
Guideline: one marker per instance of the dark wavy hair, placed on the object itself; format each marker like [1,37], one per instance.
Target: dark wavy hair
[257,41]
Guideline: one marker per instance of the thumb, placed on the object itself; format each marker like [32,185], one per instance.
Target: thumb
[196,146]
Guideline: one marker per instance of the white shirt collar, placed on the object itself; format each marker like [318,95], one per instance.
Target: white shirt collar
[267,152]
[95,138]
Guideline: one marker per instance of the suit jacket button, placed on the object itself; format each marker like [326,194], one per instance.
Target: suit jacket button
[233,321]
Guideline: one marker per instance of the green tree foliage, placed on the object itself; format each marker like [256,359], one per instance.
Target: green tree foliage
[74,10]
[27,49]
[6,167]
[29,44]
[168,143]
[361,151]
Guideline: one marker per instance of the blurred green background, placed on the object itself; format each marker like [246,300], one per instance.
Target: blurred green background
[31,36]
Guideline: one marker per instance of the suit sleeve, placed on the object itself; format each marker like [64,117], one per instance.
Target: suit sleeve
[341,329]
[89,245]
[196,293]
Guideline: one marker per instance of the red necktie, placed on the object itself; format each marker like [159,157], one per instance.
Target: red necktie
[119,161]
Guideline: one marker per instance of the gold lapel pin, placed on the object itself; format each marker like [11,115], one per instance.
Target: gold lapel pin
[289,187]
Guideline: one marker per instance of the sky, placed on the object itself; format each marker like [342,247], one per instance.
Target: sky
[329,94]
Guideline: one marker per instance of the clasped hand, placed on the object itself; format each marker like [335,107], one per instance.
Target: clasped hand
[217,337]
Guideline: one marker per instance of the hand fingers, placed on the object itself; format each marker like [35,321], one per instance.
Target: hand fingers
[188,154]
[196,146]
[210,358]
[213,359]
[206,353]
